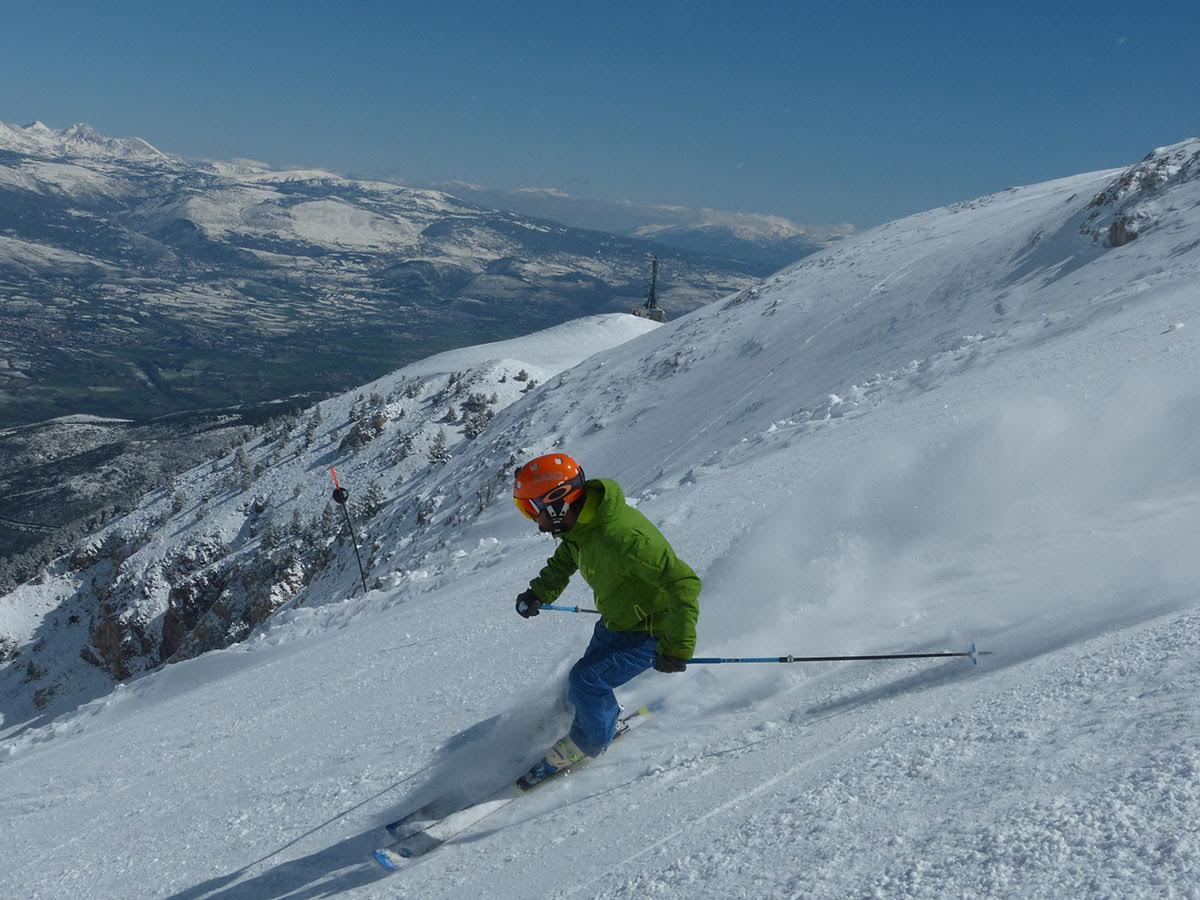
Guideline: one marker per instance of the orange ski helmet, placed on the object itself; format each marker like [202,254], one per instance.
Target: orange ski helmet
[549,484]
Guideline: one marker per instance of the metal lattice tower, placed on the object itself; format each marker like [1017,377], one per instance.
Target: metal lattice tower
[650,309]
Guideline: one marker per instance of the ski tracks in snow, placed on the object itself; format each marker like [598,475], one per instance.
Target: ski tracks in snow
[1076,800]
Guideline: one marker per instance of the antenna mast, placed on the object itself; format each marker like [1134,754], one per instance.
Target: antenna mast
[652,297]
[650,309]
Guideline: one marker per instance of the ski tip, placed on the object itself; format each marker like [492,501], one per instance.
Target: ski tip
[391,862]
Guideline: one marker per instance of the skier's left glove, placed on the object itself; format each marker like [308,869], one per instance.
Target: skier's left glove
[528,604]
[665,663]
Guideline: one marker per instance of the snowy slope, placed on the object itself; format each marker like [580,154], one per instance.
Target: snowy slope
[976,424]
[192,570]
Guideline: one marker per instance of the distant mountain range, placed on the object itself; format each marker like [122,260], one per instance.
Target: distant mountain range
[766,242]
[134,283]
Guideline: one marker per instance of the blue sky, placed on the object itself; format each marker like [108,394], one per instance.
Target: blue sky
[822,112]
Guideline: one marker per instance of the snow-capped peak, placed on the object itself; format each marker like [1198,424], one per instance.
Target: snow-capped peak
[79,140]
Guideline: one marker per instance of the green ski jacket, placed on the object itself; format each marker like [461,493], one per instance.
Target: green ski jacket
[639,582]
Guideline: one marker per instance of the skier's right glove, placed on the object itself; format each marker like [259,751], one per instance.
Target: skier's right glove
[665,663]
[528,604]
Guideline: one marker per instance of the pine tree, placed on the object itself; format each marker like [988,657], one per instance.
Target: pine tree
[371,502]
[477,402]
[271,537]
[485,496]
[476,422]
[439,451]
[400,449]
[243,471]
[330,521]
[311,426]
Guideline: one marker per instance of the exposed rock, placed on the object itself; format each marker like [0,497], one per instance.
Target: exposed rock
[1120,233]
[1129,205]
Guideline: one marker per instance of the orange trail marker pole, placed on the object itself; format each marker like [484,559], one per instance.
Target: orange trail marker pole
[340,496]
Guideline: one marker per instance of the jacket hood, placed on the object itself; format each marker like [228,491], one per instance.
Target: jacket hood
[609,499]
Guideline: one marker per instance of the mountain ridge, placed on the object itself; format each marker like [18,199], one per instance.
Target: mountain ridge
[215,266]
[78,140]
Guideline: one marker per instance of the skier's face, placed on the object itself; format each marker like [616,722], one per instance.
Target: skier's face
[547,525]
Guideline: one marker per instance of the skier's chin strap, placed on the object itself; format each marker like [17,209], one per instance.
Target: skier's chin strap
[557,513]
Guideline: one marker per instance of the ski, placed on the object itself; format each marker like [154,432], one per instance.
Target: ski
[420,832]
[443,804]
[420,819]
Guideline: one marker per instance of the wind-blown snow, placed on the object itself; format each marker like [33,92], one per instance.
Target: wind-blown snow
[974,425]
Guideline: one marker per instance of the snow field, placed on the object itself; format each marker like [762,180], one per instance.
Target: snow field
[1024,480]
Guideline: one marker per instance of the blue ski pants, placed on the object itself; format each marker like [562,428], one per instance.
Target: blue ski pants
[611,659]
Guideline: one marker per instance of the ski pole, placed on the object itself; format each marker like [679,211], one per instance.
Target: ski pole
[972,653]
[569,609]
[340,496]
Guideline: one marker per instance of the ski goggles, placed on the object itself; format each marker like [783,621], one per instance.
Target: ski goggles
[555,501]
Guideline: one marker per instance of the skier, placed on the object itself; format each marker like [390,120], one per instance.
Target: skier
[648,598]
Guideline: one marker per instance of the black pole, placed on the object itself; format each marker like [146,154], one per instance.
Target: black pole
[340,496]
[971,653]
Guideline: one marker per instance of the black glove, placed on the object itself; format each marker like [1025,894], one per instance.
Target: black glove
[664,663]
[528,604]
